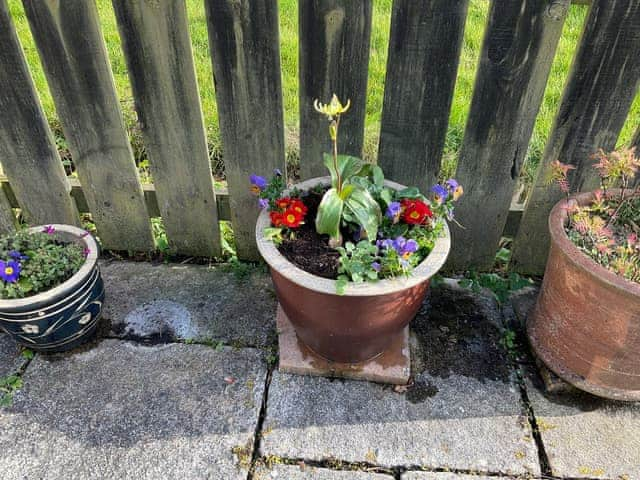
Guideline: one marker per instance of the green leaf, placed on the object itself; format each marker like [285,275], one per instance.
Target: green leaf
[274,234]
[329,214]
[378,176]
[386,196]
[410,192]
[341,284]
[25,285]
[366,210]
[348,166]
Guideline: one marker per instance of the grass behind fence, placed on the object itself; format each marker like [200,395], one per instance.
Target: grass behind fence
[289,52]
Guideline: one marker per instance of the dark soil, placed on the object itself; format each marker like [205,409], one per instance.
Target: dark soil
[309,250]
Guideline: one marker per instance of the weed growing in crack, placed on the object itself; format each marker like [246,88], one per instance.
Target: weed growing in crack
[8,386]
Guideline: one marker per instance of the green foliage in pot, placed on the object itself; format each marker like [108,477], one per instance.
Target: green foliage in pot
[31,263]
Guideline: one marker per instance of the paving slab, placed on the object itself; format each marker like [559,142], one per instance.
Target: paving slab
[464,411]
[122,410]
[586,436]
[289,472]
[446,476]
[160,303]
[10,359]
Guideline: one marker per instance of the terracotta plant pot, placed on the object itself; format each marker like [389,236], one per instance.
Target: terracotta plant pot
[362,323]
[586,324]
[65,316]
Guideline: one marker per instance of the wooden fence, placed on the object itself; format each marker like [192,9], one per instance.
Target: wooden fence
[424,49]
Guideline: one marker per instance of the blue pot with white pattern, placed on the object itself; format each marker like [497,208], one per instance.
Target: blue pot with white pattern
[65,316]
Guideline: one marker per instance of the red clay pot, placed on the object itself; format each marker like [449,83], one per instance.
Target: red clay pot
[586,324]
[362,323]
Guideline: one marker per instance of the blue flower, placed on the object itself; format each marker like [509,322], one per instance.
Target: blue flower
[258,183]
[9,271]
[440,193]
[263,203]
[386,243]
[16,255]
[405,247]
[277,172]
[376,266]
[393,211]
[455,188]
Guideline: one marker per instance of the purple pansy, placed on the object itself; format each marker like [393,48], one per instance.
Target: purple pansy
[258,182]
[393,211]
[376,266]
[277,172]
[9,271]
[405,247]
[263,203]
[49,229]
[440,193]
[452,184]
[386,243]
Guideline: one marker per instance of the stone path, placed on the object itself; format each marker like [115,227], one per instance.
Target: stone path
[181,384]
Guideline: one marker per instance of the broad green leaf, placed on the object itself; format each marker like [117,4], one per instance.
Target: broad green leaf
[341,284]
[330,213]
[348,166]
[410,192]
[378,176]
[386,196]
[346,191]
[366,210]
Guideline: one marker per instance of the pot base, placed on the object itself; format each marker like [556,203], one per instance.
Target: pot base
[392,366]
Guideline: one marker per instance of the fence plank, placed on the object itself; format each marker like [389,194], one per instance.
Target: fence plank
[517,53]
[244,42]
[69,41]
[28,153]
[7,217]
[333,56]
[635,142]
[604,79]
[424,50]
[157,47]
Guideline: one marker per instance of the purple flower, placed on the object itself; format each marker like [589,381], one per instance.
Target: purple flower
[386,243]
[258,183]
[455,188]
[16,255]
[277,172]
[376,266]
[263,203]
[84,234]
[452,184]
[49,229]
[393,211]
[405,247]
[86,252]
[440,193]
[9,271]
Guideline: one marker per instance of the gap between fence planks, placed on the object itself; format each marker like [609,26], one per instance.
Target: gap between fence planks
[515,61]
[602,84]
[27,150]
[69,41]
[424,51]
[157,47]
[333,55]
[245,52]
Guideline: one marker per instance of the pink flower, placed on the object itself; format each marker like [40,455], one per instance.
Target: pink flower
[49,229]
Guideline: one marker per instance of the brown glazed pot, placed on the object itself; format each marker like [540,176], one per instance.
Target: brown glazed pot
[362,323]
[586,324]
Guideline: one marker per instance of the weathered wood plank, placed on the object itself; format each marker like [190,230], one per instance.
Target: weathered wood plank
[515,61]
[244,42]
[156,42]
[333,57]
[635,142]
[7,217]
[603,81]
[424,50]
[27,150]
[69,41]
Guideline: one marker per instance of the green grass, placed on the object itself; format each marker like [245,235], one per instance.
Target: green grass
[289,53]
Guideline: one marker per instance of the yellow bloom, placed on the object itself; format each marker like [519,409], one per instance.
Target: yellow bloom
[333,108]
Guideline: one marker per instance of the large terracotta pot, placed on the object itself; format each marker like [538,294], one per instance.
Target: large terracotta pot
[364,321]
[65,316]
[586,324]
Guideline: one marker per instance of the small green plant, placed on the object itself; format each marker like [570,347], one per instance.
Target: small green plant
[31,263]
[500,286]
[8,386]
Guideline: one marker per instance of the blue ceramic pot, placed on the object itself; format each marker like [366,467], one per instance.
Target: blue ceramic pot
[65,316]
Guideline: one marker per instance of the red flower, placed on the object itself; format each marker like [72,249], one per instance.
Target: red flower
[415,212]
[292,218]
[276,219]
[283,203]
[297,205]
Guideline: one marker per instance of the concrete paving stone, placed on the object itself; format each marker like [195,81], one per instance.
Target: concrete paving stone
[10,359]
[122,410]
[289,472]
[464,411]
[163,302]
[586,436]
[446,476]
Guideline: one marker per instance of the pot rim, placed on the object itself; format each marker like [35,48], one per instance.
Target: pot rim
[421,273]
[65,287]
[557,220]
